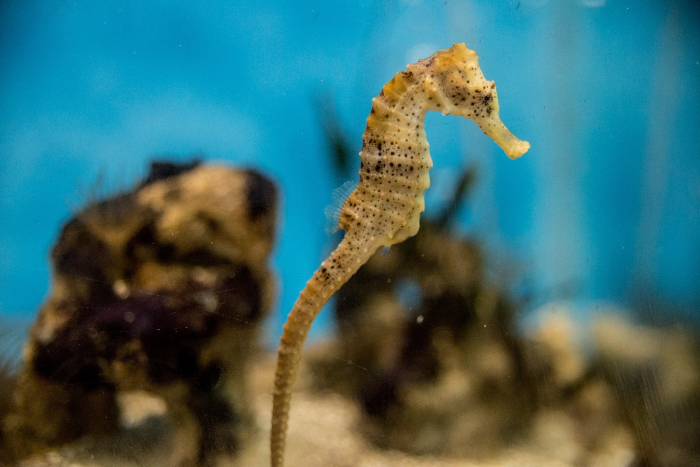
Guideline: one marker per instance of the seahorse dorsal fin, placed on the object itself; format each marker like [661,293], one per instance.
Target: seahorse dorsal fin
[332,211]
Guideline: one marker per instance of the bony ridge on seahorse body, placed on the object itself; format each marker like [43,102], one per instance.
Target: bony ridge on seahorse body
[385,207]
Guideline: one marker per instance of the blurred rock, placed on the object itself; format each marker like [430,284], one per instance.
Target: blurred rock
[159,289]
[427,346]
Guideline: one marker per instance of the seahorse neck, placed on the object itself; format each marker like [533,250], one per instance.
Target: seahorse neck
[400,108]
[395,161]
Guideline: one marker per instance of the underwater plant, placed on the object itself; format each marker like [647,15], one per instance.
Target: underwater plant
[385,207]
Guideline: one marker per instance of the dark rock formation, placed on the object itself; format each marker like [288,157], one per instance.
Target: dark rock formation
[159,289]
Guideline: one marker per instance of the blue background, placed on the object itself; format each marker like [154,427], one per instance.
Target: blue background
[603,209]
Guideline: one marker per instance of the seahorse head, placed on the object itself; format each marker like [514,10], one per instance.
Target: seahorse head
[457,85]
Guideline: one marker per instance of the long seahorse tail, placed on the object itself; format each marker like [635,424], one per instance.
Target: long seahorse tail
[289,353]
[333,273]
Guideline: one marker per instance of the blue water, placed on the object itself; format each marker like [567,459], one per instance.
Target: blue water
[605,206]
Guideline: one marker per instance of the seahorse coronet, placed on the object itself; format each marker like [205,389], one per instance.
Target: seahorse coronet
[385,207]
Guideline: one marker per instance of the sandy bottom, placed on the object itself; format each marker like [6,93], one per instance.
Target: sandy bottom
[321,433]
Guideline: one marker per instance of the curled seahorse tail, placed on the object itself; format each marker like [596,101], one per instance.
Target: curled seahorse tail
[333,273]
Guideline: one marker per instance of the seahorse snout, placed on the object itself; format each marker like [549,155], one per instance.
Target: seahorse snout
[497,131]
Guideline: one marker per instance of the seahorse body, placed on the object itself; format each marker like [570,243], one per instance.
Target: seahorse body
[385,207]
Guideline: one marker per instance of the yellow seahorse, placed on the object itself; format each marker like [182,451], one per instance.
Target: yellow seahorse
[385,207]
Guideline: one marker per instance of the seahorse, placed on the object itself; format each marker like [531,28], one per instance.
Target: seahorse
[385,207]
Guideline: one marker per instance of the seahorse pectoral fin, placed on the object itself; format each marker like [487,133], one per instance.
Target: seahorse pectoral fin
[497,131]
